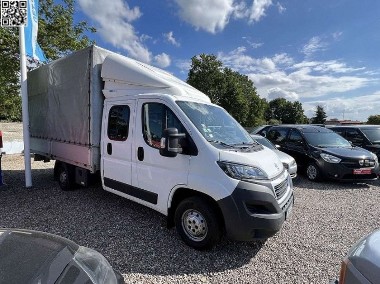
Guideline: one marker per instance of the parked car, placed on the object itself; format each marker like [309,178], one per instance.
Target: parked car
[287,160]
[324,153]
[362,263]
[261,130]
[37,257]
[365,136]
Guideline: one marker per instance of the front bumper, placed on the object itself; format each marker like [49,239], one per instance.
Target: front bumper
[344,171]
[253,212]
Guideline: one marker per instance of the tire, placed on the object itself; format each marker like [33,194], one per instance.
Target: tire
[312,172]
[65,177]
[197,223]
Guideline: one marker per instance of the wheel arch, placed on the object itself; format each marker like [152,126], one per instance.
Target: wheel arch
[181,194]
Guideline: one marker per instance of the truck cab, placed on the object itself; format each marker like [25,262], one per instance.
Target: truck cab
[171,149]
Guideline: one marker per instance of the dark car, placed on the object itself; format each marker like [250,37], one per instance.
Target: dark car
[365,136]
[261,130]
[324,153]
[35,257]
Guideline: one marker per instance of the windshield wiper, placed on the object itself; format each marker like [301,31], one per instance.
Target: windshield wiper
[221,143]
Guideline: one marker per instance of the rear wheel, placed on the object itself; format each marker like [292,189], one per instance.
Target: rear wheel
[313,173]
[197,223]
[66,176]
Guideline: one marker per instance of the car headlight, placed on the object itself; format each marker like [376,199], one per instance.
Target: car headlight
[375,157]
[242,172]
[95,265]
[330,158]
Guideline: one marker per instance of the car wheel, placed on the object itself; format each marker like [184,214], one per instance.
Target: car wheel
[197,223]
[65,177]
[313,172]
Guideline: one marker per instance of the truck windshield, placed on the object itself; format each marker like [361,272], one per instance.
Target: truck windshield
[215,124]
[326,139]
[373,134]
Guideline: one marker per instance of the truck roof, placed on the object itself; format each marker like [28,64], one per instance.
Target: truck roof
[126,76]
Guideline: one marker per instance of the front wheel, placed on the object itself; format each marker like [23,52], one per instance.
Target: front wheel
[197,223]
[313,173]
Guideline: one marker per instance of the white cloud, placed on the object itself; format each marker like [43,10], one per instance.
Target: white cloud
[281,76]
[281,9]
[113,19]
[209,15]
[162,60]
[214,15]
[314,44]
[277,92]
[170,38]
[353,108]
[258,9]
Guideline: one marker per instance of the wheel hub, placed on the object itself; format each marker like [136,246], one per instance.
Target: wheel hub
[194,225]
[311,172]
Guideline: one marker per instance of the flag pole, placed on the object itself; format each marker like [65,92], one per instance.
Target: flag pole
[25,110]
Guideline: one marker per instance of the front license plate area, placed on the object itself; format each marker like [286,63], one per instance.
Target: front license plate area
[362,171]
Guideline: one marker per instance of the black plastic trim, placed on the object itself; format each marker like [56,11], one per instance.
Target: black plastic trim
[252,212]
[142,194]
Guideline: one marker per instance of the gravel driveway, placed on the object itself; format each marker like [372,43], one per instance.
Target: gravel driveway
[327,219]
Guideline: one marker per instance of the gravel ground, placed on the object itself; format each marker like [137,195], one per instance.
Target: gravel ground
[328,218]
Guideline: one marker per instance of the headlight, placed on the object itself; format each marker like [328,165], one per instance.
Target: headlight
[95,265]
[293,163]
[375,157]
[330,158]
[242,172]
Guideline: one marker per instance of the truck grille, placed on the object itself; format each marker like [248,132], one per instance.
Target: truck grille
[280,189]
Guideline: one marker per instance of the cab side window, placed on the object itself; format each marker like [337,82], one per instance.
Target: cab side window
[295,137]
[118,123]
[354,136]
[277,135]
[156,118]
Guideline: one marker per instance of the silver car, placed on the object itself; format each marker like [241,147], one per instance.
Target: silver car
[362,263]
[288,161]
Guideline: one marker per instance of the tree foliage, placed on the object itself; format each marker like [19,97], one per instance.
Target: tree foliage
[58,35]
[229,89]
[374,119]
[285,111]
[320,116]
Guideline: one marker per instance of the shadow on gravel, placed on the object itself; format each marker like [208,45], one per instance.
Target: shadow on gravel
[303,182]
[133,238]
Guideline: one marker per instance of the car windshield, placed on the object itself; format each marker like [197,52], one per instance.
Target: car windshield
[215,124]
[373,134]
[326,139]
[265,142]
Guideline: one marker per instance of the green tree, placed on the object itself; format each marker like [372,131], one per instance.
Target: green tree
[320,116]
[374,119]
[229,89]
[58,35]
[285,111]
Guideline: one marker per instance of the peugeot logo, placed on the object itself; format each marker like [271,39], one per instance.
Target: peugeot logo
[276,166]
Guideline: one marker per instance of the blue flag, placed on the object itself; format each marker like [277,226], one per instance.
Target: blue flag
[32,48]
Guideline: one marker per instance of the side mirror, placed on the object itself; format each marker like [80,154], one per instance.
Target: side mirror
[170,145]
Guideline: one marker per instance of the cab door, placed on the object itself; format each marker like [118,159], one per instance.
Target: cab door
[116,152]
[156,175]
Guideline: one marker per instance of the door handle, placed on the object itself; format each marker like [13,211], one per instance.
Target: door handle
[140,153]
[109,149]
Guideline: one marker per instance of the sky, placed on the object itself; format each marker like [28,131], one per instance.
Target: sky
[318,52]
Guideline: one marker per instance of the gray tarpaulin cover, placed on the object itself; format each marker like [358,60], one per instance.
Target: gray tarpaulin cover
[66,100]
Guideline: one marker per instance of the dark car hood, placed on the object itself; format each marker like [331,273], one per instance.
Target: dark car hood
[29,256]
[349,152]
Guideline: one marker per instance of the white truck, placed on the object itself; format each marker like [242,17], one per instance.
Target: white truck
[157,141]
